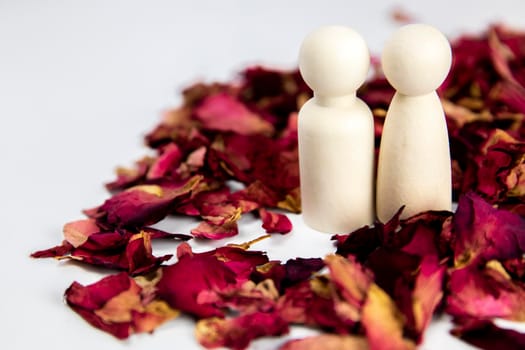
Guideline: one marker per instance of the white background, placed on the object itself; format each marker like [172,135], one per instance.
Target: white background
[80,84]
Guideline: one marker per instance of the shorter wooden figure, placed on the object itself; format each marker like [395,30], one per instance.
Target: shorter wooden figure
[336,133]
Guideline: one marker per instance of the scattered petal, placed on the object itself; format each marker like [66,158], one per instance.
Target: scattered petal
[224,113]
[115,304]
[78,232]
[238,332]
[484,293]
[383,322]
[180,284]
[327,342]
[487,336]
[485,233]
[275,222]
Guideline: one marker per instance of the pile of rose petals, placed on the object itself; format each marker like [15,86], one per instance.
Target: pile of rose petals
[383,285]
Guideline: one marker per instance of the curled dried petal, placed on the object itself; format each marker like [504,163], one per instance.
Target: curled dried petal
[115,304]
[275,222]
[327,342]
[238,332]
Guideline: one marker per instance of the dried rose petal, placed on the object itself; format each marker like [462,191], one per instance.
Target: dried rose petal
[288,274]
[218,270]
[327,342]
[176,125]
[139,254]
[155,233]
[224,113]
[244,299]
[206,191]
[220,214]
[427,295]
[485,233]
[275,222]
[496,171]
[277,93]
[211,231]
[167,162]
[382,321]
[182,282]
[141,205]
[57,251]
[485,292]
[130,177]
[300,269]
[484,91]
[362,300]
[119,249]
[515,268]
[132,253]
[365,240]
[486,335]
[352,282]
[193,163]
[406,259]
[396,273]
[85,300]
[310,303]
[237,258]
[115,304]
[238,332]
[78,232]
[257,192]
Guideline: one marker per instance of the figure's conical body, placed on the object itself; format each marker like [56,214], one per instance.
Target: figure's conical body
[414,167]
[336,133]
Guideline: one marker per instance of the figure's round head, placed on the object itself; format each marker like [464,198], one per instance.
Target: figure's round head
[416,59]
[334,61]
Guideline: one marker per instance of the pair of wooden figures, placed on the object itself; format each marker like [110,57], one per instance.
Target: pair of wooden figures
[340,190]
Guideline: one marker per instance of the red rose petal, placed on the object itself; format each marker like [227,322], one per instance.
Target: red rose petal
[238,332]
[275,222]
[485,233]
[115,305]
[160,234]
[210,231]
[182,282]
[427,295]
[311,303]
[132,253]
[54,252]
[121,250]
[247,298]
[485,292]
[141,205]
[383,322]
[327,342]
[167,162]
[352,281]
[78,232]
[487,336]
[223,112]
[130,177]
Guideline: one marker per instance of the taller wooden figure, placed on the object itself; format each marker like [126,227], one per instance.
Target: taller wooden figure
[336,133]
[414,160]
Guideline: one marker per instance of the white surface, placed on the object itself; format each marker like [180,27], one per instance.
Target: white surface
[82,81]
